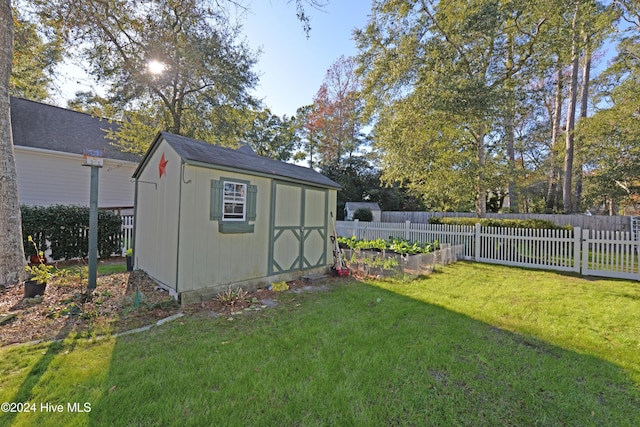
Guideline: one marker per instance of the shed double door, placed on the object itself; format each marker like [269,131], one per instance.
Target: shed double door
[298,228]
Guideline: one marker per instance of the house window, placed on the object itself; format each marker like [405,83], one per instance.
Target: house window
[234,201]
[233,205]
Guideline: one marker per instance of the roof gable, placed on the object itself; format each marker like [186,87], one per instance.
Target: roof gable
[48,127]
[198,152]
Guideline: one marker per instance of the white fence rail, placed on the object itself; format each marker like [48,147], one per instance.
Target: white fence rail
[589,252]
[127,232]
[609,254]
[533,248]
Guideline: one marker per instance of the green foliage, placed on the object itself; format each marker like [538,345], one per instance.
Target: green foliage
[396,244]
[271,136]
[33,60]
[363,214]
[495,222]
[66,230]
[40,272]
[207,65]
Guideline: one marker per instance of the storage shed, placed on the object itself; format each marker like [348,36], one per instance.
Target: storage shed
[209,217]
[351,207]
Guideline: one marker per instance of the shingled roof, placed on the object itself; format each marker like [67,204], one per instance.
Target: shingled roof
[49,127]
[198,152]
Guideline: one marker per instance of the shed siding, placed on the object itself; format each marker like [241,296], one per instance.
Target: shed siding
[157,211]
[209,259]
[49,178]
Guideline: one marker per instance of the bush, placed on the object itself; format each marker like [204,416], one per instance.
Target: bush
[363,214]
[541,224]
[64,230]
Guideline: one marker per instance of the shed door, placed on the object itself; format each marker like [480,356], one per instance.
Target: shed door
[298,228]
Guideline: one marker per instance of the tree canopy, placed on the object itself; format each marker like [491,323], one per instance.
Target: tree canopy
[472,100]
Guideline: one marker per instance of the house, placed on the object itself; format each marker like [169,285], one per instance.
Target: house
[209,217]
[351,207]
[49,143]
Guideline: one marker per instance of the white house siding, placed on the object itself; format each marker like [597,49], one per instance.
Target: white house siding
[54,178]
[156,227]
[207,258]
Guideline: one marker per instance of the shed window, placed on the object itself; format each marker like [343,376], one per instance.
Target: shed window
[233,205]
[234,201]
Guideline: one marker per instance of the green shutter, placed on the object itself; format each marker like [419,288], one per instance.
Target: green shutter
[216,200]
[252,192]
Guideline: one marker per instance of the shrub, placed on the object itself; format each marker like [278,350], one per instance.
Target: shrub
[363,214]
[64,230]
[542,224]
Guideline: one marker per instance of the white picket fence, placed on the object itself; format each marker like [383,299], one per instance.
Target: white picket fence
[589,252]
[127,232]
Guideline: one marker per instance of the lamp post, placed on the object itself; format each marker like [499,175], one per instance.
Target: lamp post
[93,159]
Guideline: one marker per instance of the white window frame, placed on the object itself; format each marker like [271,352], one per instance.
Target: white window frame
[234,199]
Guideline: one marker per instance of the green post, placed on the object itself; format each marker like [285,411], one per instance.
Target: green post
[93,227]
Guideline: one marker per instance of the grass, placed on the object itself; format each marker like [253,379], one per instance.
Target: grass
[103,268]
[472,345]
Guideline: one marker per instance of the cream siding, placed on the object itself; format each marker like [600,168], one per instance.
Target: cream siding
[52,178]
[157,210]
[179,245]
[209,259]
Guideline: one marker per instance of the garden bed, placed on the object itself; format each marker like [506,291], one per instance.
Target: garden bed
[386,263]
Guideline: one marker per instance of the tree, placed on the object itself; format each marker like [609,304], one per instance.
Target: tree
[180,63]
[272,136]
[571,112]
[33,61]
[12,260]
[435,76]
[336,113]
[611,146]
[308,123]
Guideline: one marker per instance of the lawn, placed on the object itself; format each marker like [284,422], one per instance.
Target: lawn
[472,344]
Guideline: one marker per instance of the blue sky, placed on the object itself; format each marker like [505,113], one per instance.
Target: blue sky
[291,66]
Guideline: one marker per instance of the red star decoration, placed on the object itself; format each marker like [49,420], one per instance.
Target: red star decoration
[162,166]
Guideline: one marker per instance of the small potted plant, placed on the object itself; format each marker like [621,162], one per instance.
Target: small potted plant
[129,259]
[39,274]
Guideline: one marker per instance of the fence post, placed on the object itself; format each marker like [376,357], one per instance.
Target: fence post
[407,230]
[477,241]
[355,228]
[577,244]
[585,251]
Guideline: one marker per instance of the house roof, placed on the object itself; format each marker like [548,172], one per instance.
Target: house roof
[357,205]
[198,152]
[48,127]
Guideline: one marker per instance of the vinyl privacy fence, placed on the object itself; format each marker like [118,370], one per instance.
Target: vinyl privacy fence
[589,252]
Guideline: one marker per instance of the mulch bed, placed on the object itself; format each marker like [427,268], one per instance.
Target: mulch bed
[121,302]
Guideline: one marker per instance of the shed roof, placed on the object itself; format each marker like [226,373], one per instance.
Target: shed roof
[243,159]
[48,127]
[365,205]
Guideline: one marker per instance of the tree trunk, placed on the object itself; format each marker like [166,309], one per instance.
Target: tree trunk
[12,260]
[584,105]
[554,177]
[510,131]
[571,116]
[481,187]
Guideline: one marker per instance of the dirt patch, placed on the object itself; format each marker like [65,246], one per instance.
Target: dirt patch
[121,302]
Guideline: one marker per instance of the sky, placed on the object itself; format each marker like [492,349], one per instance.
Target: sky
[291,66]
